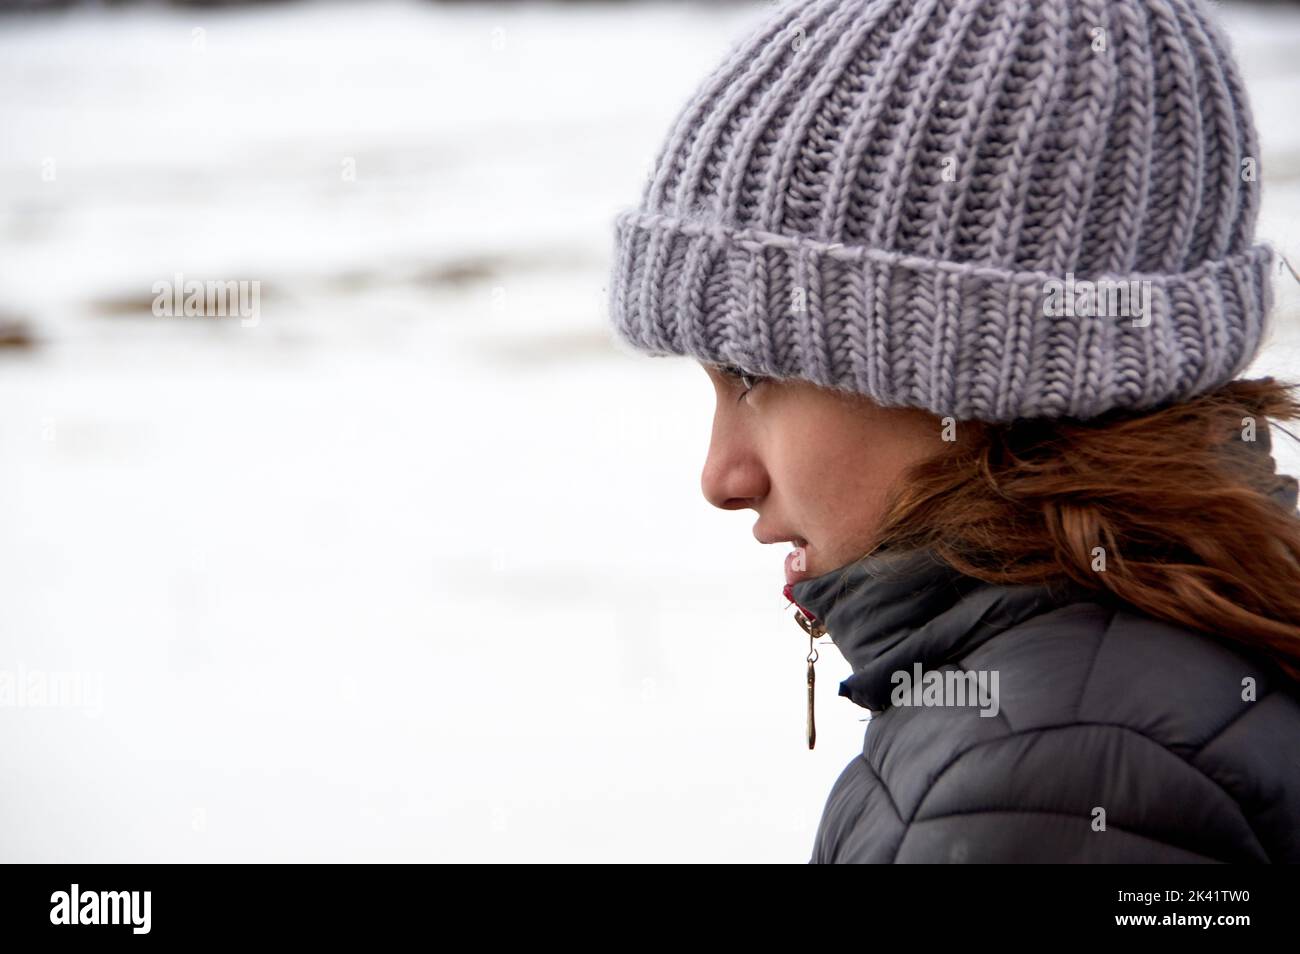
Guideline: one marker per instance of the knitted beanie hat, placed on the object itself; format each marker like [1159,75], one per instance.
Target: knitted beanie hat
[989,209]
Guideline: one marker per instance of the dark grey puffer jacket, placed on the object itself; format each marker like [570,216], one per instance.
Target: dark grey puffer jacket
[1110,736]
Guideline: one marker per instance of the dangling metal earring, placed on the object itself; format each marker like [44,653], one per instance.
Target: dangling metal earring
[814,630]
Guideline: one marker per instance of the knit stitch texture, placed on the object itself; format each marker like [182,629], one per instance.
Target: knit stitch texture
[887,196]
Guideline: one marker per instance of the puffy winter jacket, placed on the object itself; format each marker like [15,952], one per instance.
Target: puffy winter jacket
[1102,735]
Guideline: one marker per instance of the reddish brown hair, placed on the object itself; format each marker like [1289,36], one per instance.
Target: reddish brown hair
[1188,512]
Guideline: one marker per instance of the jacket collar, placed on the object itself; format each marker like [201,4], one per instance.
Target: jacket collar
[888,611]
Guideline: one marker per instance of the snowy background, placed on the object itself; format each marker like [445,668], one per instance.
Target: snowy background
[416,567]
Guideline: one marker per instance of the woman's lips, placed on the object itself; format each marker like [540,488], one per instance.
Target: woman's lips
[796,565]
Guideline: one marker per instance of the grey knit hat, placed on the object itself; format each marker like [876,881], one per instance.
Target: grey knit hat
[989,209]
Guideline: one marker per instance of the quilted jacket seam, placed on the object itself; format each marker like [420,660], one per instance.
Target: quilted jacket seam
[863,805]
[1068,725]
[1047,811]
[1000,717]
[1092,663]
[888,794]
[1078,704]
[1237,717]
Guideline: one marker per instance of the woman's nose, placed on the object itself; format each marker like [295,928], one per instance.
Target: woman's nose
[733,476]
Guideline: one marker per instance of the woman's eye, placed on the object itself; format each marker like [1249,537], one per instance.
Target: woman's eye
[744,377]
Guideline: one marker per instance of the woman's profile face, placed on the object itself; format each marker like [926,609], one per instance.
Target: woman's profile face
[816,465]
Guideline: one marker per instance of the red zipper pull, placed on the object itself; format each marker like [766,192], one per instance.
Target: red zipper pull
[788,592]
[807,621]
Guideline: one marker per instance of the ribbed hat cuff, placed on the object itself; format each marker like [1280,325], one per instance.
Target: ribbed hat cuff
[958,339]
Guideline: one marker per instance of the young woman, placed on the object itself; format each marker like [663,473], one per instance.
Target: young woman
[974,281]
